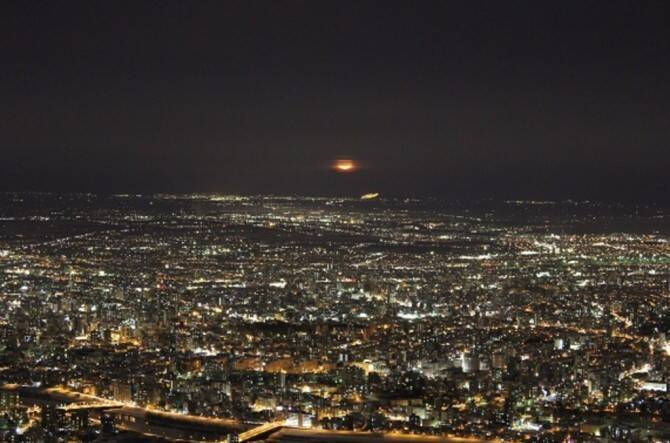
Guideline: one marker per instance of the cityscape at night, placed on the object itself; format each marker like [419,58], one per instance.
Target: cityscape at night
[511,320]
[374,221]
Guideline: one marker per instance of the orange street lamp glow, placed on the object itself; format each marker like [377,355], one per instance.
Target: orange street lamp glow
[345,165]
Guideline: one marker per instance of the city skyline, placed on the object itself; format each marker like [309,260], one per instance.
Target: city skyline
[265,318]
[375,221]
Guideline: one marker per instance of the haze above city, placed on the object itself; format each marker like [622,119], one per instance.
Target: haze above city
[516,99]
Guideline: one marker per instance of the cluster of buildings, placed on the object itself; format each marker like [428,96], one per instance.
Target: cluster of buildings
[515,320]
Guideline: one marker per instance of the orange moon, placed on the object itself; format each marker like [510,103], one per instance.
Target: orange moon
[344,165]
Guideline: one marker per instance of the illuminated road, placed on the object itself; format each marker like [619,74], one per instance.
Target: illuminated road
[89,406]
[141,420]
[260,431]
[318,435]
[167,424]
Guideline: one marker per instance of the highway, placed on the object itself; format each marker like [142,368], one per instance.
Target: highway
[287,434]
[132,417]
[195,428]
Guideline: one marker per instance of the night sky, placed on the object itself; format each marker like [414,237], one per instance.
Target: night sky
[469,99]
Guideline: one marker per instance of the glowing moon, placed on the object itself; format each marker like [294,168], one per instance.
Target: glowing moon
[344,165]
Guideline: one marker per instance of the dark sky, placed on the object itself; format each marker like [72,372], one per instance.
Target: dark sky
[563,99]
